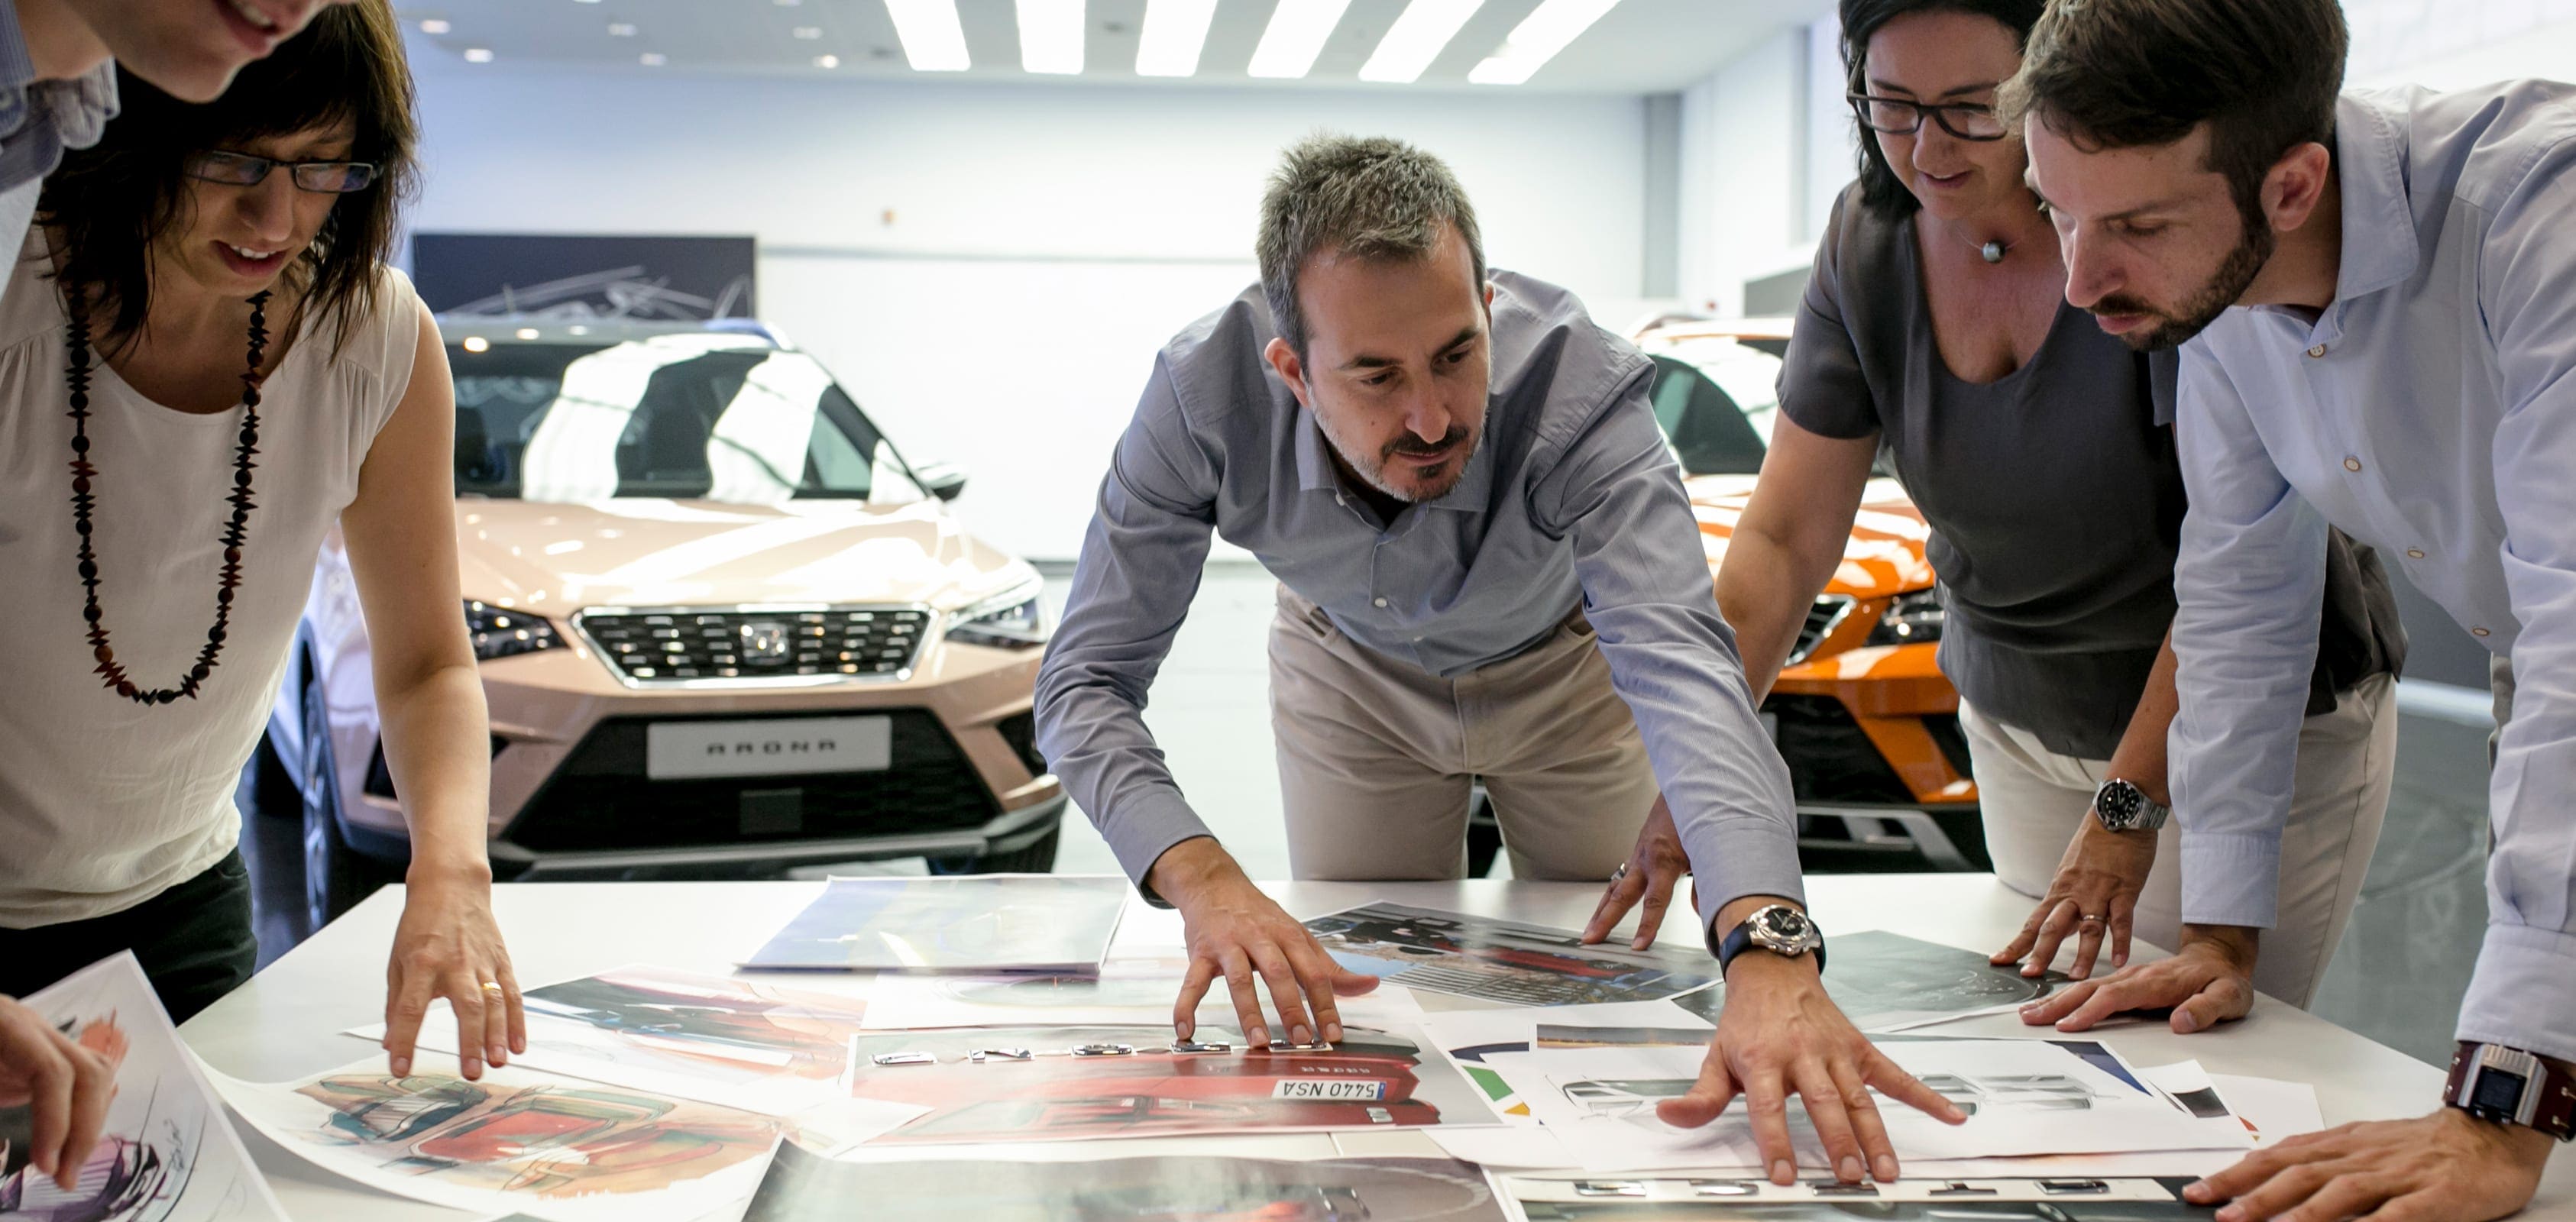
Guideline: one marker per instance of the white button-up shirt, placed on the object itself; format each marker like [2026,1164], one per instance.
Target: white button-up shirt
[2431,411]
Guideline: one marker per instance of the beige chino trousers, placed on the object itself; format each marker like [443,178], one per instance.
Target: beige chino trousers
[1376,756]
[2034,799]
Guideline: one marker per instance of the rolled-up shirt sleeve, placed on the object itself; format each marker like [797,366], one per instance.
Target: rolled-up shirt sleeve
[2248,583]
[1140,567]
[1617,495]
[2524,991]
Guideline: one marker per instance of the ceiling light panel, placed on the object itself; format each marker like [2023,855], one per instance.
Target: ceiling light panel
[933,40]
[1051,36]
[1296,35]
[1175,32]
[1549,28]
[1416,39]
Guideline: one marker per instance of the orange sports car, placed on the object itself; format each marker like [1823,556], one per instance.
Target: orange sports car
[1869,726]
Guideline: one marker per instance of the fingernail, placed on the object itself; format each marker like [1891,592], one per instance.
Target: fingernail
[1297,1035]
[1333,1032]
[1850,1168]
[497,1055]
[402,1066]
[1258,1035]
[1784,1172]
[2196,1190]
[2185,1022]
[1887,1168]
[2232,1213]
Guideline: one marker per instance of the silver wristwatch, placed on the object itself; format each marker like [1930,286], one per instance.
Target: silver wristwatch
[2123,807]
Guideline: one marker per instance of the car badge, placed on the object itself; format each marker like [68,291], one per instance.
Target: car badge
[1190,1047]
[765,639]
[904,1058]
[981,1055]
[1104,1050]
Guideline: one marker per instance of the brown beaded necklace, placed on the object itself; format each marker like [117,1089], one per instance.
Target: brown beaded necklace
[76,375]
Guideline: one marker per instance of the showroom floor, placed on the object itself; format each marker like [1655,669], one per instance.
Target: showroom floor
[2398,978]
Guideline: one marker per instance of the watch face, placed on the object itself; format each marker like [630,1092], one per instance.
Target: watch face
[1785,922]
[1783,930]
[2498,1092]
[2119,802]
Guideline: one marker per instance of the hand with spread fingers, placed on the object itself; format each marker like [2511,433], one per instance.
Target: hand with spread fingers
[2093,898]
[1781,1035]
[64,1083]
[1649,875]
[1238,933]
[448,945]
[2208,982]
[2446,1167]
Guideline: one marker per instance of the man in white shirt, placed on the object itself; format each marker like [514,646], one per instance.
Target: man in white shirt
[58,61]
[2376,298]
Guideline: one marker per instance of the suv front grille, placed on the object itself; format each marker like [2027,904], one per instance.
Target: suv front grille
[601,798]
[658,645]
[1830,758]
[1822,618]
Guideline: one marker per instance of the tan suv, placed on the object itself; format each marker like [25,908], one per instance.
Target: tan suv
[723,627]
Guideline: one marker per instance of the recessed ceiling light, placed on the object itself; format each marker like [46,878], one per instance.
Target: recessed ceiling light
[621,29]
[653,59]
[531,332]
[787,3]
[434,25]
[1175,33]
[933,41]
[478,55]
[1296,36]
[827,61]
[809,32]
[1416,39]
[1536,40]
[1051,33]
[476,343]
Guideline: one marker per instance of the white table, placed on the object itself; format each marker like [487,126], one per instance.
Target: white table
[285,1022]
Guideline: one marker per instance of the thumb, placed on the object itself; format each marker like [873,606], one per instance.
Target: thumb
[2216,1002]
[1347,982]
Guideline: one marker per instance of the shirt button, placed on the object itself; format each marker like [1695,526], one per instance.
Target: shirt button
[2414,553]
[1380,602]
[2477,632]
[2319,350]
[2351,463]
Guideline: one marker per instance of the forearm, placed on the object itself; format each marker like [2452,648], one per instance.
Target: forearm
[438,746]
[1764,589]
[2140,757]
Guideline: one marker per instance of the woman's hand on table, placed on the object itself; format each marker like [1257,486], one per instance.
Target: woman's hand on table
[2094,894]
[449,946]
[1780,1033]
[65,1083]
[2208,982]
[1236,932]
[1650,874]
[2446,1167]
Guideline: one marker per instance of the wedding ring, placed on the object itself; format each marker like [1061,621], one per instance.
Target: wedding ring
[492,986]
[1620,873]
[2089,919]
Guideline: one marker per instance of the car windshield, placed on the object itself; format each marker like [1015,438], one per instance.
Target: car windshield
[1715,400]
[685,415]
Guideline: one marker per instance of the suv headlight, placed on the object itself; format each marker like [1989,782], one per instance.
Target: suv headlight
[1911,619]
[1016,620]
[500,632]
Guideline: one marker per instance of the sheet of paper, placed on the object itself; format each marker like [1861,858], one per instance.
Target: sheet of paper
[981,923]
[1545,1198]
[2026,1097]
[1127,990]
[516,1141]
[740,1042]
[1503,961]
[804,1187]
[1468,1035]
[1889,982]
[166,1151]
[1518,1146]
[1081,1082]
[2270,1109]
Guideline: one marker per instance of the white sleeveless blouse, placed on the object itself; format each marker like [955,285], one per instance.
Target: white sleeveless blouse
[104,802]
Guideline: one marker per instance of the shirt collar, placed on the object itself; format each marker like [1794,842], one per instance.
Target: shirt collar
[2379,245]
[17,70]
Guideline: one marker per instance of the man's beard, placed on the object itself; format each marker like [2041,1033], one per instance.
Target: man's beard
[2235,273]
[1375,471]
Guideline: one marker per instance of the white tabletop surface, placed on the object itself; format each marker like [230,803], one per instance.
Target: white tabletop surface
[286,1022]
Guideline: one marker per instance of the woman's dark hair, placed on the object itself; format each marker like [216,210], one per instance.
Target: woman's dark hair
[1880,189]
[112,200]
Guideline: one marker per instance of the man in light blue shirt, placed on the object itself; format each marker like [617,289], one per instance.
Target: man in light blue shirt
[1460,482]
[2376,298]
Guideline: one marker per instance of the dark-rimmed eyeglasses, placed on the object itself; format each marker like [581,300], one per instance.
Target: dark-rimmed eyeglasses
[1904,116]
[244,170]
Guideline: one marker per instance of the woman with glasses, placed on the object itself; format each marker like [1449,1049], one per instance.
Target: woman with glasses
[1935,332]
[205,367]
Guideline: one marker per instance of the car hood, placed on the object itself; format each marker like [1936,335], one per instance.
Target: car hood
[554,558]
[1883,557]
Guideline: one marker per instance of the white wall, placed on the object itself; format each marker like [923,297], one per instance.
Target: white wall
[1766,145]
[990,268]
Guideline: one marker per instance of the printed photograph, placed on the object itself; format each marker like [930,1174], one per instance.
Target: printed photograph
[1525,965]
[805,1187]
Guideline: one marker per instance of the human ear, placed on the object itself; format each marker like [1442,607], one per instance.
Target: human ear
[2296,184]
[1283,359]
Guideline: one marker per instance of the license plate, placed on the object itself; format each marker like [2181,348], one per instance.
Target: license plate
[682,750]
[1329,1090]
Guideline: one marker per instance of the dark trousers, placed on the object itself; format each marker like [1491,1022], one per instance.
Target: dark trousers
[194,941]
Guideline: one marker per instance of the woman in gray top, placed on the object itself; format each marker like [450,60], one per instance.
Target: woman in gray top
[1935,332]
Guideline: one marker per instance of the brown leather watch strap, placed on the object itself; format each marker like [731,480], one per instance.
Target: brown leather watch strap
[2556,1114]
